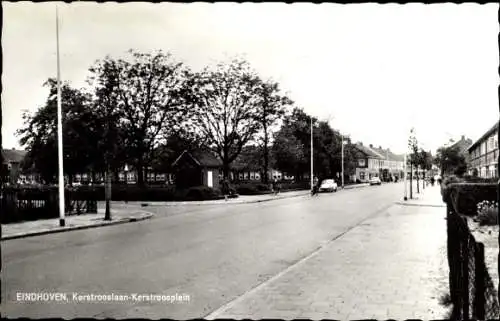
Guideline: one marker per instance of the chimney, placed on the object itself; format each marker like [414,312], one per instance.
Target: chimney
[379,147]
[371,146]
[463,137]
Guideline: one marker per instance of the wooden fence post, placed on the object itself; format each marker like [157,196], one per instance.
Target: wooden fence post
[480,286]
[465,270]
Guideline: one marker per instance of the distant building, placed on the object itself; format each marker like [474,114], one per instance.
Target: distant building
[197,168]
[392,164]
[11,168]
[463,146]
[377,162]
[483,154]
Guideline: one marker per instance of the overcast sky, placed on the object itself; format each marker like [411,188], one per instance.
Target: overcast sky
[373,70]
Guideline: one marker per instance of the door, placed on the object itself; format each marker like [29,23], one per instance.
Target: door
[210,177]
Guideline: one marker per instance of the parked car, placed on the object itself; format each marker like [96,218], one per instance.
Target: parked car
[328,185]
[375,181]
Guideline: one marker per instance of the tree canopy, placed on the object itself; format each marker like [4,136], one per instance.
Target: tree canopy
[224,103]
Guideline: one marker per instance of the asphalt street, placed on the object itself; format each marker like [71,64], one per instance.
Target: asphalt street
[213,254]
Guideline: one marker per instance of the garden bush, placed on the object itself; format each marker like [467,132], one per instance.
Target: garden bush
[464,197]
[202,193]
[487,213]
[252,189]
[304,185]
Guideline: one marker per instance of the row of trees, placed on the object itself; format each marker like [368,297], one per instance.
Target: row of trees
[145,109]
[418,158]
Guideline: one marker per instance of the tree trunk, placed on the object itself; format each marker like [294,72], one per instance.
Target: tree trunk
[266,155]
[411,180]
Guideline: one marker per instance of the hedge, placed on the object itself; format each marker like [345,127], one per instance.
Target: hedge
[465,196]
[252,188]
[42,202]
[154,193]
[258,188]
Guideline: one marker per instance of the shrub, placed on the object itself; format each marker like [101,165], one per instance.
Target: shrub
[487,213]
[252,189]
[464,197]
[201,193]
[296,186]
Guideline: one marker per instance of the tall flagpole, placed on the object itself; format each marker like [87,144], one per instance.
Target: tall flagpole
[59,132]
[312,182]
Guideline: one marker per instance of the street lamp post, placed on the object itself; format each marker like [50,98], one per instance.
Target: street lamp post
[342,165]
[405,175]
[312,167]
[62,205]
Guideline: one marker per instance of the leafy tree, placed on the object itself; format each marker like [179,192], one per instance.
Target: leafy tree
[271,109]
[143,97]
[451,160]
[80,131]
[289,152]
[293,144]
[176,143]
[225,104]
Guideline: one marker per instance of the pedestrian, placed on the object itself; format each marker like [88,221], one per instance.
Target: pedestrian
[275,185]
[315,187]
[225,188]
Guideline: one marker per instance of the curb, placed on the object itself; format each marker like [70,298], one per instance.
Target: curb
[422,205]
[224,203]
[74,228]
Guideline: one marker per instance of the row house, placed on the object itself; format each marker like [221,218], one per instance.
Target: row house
[377,162]
[392,164]
[483,154]
[11,168]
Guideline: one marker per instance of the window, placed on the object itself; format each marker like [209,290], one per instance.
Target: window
[361,162]
[362,176]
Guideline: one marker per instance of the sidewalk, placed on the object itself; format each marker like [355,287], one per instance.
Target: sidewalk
[244,199]
[430,196]
[73,222]
[392,266]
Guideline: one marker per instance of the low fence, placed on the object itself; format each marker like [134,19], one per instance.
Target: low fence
[25,204]
[471,288]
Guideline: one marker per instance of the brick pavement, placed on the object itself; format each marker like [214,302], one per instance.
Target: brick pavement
[392,265]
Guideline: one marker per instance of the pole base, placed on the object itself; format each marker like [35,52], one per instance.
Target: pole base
[62,222]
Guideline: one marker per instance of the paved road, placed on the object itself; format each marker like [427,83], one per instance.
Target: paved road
[214,254]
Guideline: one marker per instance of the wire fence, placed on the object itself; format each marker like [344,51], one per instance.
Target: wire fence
[471,289]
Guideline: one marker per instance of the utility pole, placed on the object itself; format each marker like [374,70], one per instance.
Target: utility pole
[342,148]
[312,168]
[62,203]
[405,177]
[107,174]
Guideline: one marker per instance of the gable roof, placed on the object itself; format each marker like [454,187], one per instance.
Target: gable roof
[387,154]
[369,152]
[201,158]
[13,155]
[484,136]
